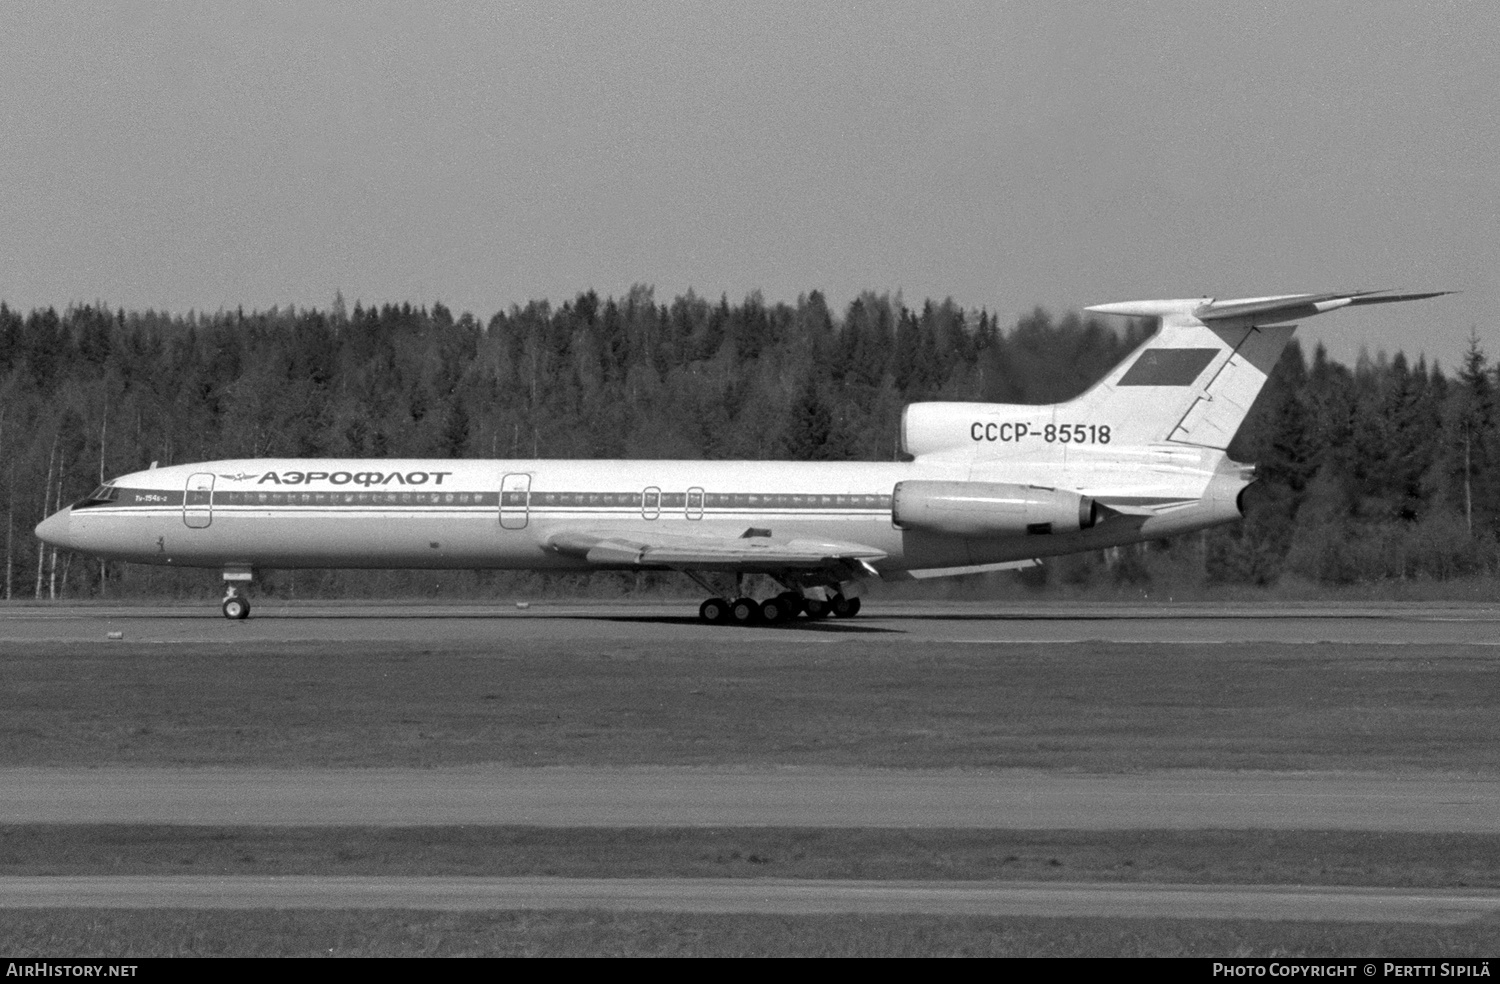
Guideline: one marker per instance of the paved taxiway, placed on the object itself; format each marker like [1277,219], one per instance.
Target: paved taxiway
[751,797]
[883,621]
[758,895]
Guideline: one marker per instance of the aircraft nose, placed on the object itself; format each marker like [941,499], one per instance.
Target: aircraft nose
[55,529]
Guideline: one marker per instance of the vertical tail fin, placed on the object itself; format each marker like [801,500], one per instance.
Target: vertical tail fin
[1191,383]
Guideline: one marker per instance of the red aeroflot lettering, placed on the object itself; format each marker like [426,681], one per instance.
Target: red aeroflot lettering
[1139,455]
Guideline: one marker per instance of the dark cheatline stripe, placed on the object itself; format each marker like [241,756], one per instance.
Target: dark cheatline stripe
[564,501]
[1168,367]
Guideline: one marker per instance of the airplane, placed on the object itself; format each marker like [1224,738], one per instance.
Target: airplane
[1140,455]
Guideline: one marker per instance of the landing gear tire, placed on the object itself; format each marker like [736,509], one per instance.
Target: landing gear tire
[845,607]
[774,611]
[235,607]
[792,602]
[714,611]
[744,611]
[816,608]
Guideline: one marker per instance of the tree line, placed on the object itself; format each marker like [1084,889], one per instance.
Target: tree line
[1383,470]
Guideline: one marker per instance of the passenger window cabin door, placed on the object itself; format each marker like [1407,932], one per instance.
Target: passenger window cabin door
[198,501]
[694,503]
[651,503]
[515,500]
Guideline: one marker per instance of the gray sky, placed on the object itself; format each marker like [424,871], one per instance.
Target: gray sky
[1005,154]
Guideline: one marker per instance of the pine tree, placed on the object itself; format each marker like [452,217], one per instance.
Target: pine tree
[1475,398]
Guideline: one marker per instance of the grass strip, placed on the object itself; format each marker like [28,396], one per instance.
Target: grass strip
[1089,706]
[1270,857]
[310,933]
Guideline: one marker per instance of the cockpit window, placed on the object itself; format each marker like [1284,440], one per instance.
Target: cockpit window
[101,496]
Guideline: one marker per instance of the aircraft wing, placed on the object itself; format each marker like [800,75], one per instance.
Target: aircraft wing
[753,550]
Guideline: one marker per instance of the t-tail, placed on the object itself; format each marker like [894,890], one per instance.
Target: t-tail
[1190,384]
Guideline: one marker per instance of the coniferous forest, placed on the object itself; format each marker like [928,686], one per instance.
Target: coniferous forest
[1384,473]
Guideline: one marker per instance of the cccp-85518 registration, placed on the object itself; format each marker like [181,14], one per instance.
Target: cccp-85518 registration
[1050,433]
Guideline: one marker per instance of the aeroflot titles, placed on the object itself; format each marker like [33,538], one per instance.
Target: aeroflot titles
[365,478]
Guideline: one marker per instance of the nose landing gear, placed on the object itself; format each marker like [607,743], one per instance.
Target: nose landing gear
[236,605]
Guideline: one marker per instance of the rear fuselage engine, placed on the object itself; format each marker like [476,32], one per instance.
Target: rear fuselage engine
[989,509]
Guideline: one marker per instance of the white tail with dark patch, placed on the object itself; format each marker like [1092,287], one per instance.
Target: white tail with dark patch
[1190,384]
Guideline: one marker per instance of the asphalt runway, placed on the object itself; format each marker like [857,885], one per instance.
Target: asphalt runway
[758,895]
[749,797]
[972,623]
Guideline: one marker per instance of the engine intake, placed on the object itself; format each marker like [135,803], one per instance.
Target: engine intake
[985,509]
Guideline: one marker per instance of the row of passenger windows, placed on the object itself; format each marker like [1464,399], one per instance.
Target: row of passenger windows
[350,498]
[680,500]
[541,500]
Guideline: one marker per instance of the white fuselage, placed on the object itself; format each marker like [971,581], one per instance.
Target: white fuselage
[298,513]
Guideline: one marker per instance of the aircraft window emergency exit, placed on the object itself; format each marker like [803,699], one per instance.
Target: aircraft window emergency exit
[515,500]
[198,501]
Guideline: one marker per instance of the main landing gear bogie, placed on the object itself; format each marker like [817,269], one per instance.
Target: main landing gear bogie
[777,610]
[844,607]
[782,608]
[715,611]
[744,611]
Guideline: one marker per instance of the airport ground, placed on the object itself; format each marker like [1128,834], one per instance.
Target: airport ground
[606,778]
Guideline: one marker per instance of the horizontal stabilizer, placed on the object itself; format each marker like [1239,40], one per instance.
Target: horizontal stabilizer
[1273,309]
[1257,310]
[1369,298]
